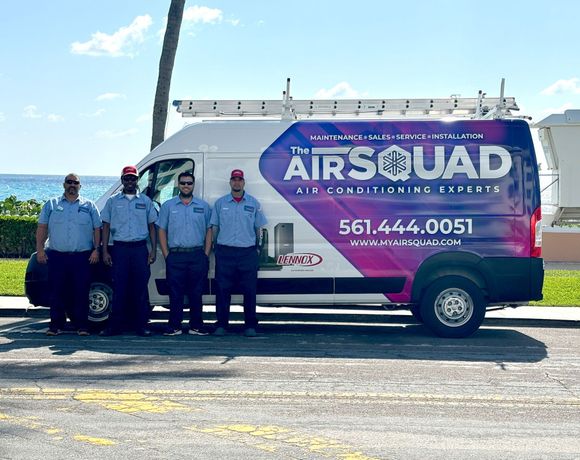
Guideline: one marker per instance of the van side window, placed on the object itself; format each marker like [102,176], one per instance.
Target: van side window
[161,179]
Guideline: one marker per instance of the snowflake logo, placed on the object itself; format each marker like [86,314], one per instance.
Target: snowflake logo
[395,163]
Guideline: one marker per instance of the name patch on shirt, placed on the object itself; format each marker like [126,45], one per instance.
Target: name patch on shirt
[249,208]
[198,210]
[140,206]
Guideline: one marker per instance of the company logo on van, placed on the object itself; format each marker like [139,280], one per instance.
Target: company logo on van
[396,164]
[307,259]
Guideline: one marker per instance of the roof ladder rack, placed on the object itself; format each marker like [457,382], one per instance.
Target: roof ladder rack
[481,107]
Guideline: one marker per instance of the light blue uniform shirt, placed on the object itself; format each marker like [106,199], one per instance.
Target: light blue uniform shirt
[185,224]
[237,222]
[70,225]
[129,219]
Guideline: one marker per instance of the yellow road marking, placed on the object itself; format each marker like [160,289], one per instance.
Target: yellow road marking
[94,441]
[32,423]
[270,437]
[129,402]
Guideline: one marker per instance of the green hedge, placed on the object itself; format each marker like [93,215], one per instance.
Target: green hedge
[17,236]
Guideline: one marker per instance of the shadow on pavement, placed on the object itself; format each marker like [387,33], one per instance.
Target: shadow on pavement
[128,357]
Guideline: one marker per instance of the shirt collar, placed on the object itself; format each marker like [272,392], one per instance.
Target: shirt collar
[63,198]
[243,197]
[122,195]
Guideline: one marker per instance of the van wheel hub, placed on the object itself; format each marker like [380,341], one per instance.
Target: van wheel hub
[454,307]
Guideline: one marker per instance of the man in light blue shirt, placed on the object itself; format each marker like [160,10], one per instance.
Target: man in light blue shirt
[185,238]
[128,220]
[237,219]
[72,226]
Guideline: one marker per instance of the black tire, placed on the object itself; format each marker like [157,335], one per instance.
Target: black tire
[453,307]
[100,300]
[416,312]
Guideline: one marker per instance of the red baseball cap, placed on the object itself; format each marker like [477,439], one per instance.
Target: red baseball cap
[237,173]
[130,171]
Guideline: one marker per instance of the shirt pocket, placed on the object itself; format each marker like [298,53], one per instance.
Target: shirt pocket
[119,215]
[57,218]
[84,218]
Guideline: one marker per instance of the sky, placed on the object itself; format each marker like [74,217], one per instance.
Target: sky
[78,78]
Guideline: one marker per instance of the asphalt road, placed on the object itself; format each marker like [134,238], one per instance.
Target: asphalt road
[337,390]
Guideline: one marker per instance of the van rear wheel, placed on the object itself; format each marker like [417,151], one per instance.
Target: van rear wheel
[100,299]
[453,307]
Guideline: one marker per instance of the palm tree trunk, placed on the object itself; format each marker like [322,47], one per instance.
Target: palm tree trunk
[170,41]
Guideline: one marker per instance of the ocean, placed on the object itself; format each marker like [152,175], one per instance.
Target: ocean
[41,188]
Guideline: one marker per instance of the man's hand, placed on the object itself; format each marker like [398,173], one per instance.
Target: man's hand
[152,256]
[94,258]
[107,260]
[41,257]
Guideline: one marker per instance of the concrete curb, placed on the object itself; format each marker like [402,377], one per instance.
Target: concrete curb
[525,315]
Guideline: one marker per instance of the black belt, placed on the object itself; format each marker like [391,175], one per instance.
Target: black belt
[70,253]
[130,244]
[193,249]
[235,247]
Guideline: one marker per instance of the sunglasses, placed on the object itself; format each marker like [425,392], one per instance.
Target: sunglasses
[72,182]
[189,182]
[129,178]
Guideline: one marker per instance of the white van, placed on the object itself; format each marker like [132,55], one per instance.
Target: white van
[437,215]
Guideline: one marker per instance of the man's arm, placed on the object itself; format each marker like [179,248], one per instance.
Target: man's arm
[163,242]
[94,258]
[153,239]
[41,237]
[208,241]
[106,232]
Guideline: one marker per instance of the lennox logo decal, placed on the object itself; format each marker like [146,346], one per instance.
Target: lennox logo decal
[301,259]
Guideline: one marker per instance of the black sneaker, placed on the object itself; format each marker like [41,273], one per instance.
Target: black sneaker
[52,332]
[219,332]
[83,333]
[250,332]
[144,332]
[171,331]
[108,332]
[202,330]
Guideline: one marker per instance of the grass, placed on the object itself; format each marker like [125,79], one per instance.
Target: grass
[561,287]
[12,276]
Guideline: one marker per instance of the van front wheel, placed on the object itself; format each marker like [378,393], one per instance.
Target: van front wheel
[453,307]
[100,299]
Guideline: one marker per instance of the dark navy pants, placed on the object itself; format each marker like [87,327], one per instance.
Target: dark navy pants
[186,275]
[236,266]
[69,278]
[130,278]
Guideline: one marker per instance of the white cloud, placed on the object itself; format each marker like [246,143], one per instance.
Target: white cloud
[144,118]
[2,117]
[563,86]
[199,15]
[342,90]
[120,43]
[31,111]
[95,114]
[196,14]
[561,109]
[110,96]
[111,134]
[54,118]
